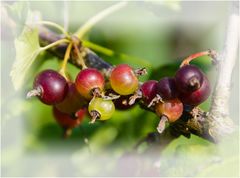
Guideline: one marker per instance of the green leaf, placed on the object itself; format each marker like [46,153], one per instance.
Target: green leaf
[26,44]
[27,49]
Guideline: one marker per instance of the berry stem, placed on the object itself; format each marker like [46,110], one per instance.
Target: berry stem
[79,56]
[95,19]
[54,44]
[59,27]
[62,70]
[210,53]
[111,53]
[162,124]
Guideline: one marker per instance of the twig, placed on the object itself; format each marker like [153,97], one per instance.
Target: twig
[218,121]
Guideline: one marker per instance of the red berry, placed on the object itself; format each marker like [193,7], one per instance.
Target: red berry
[68,121]
[149,90]
[123,80]
[189,78]
[172,109]
[87,80]
[166,88]
[72,102]
[50,87]
[197,97]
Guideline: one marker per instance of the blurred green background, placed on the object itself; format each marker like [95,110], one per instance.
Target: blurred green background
[159,34]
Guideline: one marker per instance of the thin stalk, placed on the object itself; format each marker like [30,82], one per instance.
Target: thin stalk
[59,27]
[95,19]
[111,53]
[81,60]
[54,44]
[210,53]
[65,60]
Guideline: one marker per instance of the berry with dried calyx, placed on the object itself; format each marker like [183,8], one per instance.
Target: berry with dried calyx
[169,111]
[50,87]
[172,109]
[89,82]
[198,96]
[100,109]
[188,78]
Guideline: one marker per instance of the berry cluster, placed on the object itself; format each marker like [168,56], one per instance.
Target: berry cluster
[119,88]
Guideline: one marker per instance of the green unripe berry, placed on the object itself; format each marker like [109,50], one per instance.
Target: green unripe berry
[104,108]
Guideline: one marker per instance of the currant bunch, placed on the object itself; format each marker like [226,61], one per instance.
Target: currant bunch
[119,87]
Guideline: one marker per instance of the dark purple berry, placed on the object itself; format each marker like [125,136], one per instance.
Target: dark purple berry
[50,87]
[148,90]
[189,78]
[197,97]
[167,88]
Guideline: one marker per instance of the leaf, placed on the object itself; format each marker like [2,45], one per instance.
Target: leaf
[27,49]
[26,44]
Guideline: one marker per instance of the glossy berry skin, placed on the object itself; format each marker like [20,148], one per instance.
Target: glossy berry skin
[123,80]
[197,97]
[189,78]
[69,121]
[72,102]
[87,80]
[167,88]
[149,90]
[105,108]
[172,109]
[52,86]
